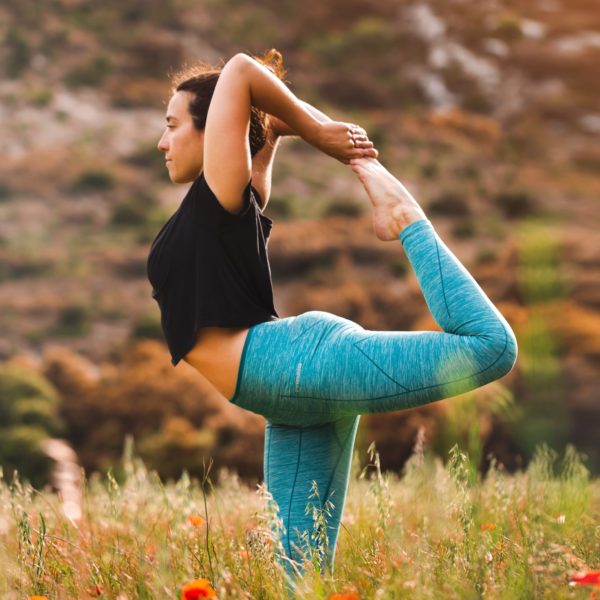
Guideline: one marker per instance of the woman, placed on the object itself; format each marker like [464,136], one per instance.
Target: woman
[312,375]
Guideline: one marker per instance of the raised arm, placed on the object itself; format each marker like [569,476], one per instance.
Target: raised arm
[262,163]
[243,83]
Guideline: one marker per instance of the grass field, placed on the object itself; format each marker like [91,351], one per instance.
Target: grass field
[438,531]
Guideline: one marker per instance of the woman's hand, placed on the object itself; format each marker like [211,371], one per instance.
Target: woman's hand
[342,141]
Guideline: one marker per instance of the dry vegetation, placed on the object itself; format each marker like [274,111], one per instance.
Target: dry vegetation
[83,190]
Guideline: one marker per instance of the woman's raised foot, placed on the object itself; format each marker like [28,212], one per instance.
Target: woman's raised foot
[393,206]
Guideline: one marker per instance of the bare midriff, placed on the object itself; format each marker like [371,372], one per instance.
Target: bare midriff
[217,355]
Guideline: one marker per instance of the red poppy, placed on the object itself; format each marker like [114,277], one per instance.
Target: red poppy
[198,588]
[585,578]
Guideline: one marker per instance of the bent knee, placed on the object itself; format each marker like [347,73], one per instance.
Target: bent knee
[502,345]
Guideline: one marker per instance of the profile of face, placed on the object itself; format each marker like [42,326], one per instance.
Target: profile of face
[181,142]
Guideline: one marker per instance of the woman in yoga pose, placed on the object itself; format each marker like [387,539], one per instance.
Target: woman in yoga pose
[311,375]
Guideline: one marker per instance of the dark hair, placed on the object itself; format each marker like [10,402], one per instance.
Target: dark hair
[201,79]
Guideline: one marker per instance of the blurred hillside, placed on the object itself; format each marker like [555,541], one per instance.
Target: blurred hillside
[488,112]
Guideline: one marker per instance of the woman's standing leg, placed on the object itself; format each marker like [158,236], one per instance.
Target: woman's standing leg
[294,458]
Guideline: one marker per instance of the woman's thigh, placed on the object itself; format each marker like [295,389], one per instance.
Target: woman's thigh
[319,367]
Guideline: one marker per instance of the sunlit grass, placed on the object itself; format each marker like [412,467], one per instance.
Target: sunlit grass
[436,532]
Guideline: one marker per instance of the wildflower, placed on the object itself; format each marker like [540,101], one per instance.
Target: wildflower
[96,590]
[585,578]
[198,588]
[344,596]
[244,554]
[488,526]
[561,519]
[38,597]
[196,520]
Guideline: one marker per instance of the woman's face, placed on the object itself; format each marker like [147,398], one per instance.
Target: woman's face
[182,144]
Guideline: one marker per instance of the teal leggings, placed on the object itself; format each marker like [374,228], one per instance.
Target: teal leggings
[313,375]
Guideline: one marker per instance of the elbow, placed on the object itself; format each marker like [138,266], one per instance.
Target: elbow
[238,62]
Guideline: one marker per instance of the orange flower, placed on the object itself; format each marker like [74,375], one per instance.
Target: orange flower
[585,578]
[199,588]
[196,520]
[244,554]
[96,590]
[488,526]
[344,596]
[38,597]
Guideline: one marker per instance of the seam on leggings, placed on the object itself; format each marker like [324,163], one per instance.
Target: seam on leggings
[427,387]
[442,277]
[305,330]
[292,495]
[337,462]
[377,366]
[321,338]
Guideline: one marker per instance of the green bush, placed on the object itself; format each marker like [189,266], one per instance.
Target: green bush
[17,384]
[398,267]
[93,180]
[515,203]
[509,28]
[430,170]
[486,255]
[73,320]
[280,207]
[128,213]
[464,229]
[92,73]
[28,415]
[40,96]
[6,192]
[18,52]
[147,327]
[451,204]
[21,450]
[343,208]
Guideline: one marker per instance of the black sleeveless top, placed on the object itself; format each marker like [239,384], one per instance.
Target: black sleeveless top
[209,267]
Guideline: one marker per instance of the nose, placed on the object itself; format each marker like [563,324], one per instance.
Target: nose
[162,144]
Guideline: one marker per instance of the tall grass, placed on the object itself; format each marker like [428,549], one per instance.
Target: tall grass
[437,531]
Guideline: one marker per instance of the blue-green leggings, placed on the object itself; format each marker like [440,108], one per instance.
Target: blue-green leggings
[311,376]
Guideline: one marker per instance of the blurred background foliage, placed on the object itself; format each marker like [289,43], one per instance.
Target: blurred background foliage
[486,111]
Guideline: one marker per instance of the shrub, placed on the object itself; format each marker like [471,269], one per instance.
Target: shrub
[28,415]
[40,96]
[73,320]
[464,229]
[509,28]
[19,53]
[21,451]
[93,180]
[515,203]
[450,203]
[92,73]
[486,255]
[430,170]
[343,208]
[280,207]
[398,267]
[148,327]
[128,213]
[6,191]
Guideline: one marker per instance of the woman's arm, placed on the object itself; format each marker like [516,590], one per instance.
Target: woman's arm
[280,129]
[243,83]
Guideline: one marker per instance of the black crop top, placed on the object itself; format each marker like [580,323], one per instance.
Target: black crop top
[209,267]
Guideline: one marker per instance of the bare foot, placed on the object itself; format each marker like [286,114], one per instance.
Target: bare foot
[393,206]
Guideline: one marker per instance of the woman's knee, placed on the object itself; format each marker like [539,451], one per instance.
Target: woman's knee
[501,346]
